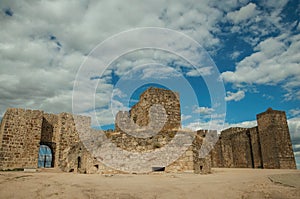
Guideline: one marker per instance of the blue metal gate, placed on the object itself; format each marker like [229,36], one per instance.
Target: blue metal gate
[45,157]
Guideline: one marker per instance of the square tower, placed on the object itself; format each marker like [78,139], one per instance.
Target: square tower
[276,146]
[139,113]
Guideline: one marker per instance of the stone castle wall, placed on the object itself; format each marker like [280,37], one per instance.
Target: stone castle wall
[201,164]
[241,146]
[49,128]
[50,134]
[139,114]
[255,147]
[223,152]
[266,146]
[276,146]
[68,135]
[20,138]
[22,132]
[25,130]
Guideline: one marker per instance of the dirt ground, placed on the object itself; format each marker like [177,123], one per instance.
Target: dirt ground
[222,183]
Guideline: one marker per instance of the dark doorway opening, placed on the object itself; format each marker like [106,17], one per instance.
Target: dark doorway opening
[79,162]
[45,159]
[155,169]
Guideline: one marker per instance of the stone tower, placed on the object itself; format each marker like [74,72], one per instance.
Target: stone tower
[139,113]
[276,147]
[20,136]
[267,145]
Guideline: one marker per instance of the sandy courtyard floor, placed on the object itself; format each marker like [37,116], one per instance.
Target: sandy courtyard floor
[222,183]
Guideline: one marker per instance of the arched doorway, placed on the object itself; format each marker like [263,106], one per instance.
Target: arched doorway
[45,157]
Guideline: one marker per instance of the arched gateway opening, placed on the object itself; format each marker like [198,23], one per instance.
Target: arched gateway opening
[45,157]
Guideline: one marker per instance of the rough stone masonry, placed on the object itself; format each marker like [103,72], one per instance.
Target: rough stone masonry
[23,132]
[268,145]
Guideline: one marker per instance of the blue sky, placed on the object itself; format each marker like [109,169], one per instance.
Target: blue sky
[255,45]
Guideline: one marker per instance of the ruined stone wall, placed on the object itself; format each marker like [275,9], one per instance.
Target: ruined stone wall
[276,147]
[79,159]
[22,131]
[21,134]
[50,134]
[131,143]
[217,154]
[202,163]
[185,163]
[266,146]
[191,161]
[68,136]
[233,149]
[95,139]
[241,149]
[28,129]
[49,128]
[139,113]
[226,146]
[73,130]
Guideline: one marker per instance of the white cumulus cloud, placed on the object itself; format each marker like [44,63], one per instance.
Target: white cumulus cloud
[243,14]
[231,96]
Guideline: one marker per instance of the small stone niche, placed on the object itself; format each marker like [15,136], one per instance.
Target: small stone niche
[158,168]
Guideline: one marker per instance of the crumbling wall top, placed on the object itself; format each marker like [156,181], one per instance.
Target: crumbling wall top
[269,111]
